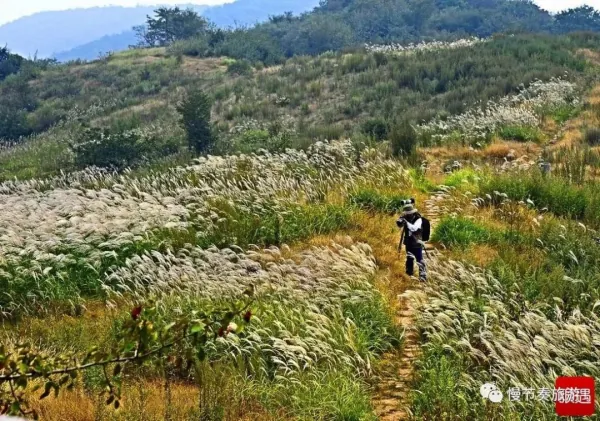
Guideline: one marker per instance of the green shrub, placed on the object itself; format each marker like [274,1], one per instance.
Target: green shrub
[373,201]
[521,133]
[321,395]
[462,232]
[381,59]
[439,377]
[569,253]
[562,113]
[305,109]
[556,194]
[251,140]
[239,68]
[241,227]
[13,123]
[403,138]
[575,164]
[194,47]
[376,128]
[323,132]
[113,149]
[353,107]
[45,117]
[275,139]
[375,331]
[461,177]
[420,181]
[355,63]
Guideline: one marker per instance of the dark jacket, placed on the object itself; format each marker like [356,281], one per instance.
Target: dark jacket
[411,240]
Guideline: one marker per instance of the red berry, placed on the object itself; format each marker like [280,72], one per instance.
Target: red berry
[135,313]
[248,316]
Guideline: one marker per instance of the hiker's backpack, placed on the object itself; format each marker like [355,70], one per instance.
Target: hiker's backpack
[425,229]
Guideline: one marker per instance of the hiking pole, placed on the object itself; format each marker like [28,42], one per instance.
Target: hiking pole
[401,241]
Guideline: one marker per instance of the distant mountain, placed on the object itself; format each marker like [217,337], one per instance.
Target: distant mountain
[86,33]
[48,33]
[92,50]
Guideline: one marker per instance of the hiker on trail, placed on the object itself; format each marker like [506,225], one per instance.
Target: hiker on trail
[415,233]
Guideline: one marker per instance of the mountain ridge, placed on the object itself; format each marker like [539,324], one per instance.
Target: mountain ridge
[82,33]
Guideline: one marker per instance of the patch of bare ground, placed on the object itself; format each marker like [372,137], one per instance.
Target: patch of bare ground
[572,132]
[195,66]
[271,69]
[496,152]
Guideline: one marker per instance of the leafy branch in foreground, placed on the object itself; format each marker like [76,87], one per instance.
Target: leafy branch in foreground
[141,337]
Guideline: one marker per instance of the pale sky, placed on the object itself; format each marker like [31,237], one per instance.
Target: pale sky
[14,9]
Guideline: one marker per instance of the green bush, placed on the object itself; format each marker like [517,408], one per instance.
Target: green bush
[335,395]
[13,123]
[45,117]
[323,132]
[562,113]
[557,195]
[241,227]
[575,164]
[114,149]
[274,140]
[403,138]
[439,377]
[375,331]
[521,133]
[373,201]
[376,128]
[251,140]
[239,68]
[461,177]
[194,47]
[462,232]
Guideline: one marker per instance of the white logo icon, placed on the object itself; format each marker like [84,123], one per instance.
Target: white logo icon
[491,392]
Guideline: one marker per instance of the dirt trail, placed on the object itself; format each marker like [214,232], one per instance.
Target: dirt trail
[392,394]
[394,373]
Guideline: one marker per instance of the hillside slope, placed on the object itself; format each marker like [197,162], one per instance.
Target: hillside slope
[259,278]
[337,25]
[88,254]
[333,95]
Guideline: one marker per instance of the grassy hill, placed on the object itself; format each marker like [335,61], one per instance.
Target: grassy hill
[325,97]
[261,280]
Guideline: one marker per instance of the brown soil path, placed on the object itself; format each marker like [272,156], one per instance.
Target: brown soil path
[393,376]
[393,388]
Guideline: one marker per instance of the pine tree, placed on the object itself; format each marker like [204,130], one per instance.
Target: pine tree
[403,138]
[195,118]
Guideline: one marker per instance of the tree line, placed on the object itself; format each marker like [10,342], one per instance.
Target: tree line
[16,94]
[339,24]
